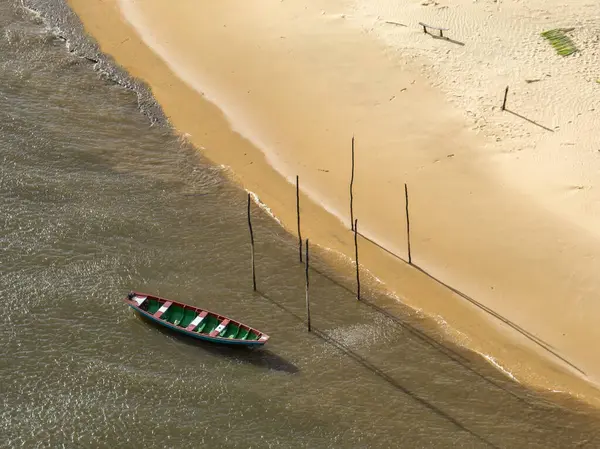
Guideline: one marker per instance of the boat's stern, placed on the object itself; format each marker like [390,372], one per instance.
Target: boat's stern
[135,299]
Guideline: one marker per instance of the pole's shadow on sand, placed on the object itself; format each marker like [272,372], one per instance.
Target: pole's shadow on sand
[447,39]
[260,357]
[529,120]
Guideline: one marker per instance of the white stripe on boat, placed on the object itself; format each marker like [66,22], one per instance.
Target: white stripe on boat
[140,299]
[219,328]
[163,309]
[197,321]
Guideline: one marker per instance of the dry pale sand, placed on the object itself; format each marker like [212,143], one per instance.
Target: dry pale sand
[501,208]
[555,160]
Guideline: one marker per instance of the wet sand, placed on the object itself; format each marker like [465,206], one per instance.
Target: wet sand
[277,89]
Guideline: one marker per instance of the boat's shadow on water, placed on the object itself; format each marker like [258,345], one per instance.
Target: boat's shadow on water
[259,356]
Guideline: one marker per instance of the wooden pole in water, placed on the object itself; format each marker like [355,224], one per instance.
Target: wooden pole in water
[351,190]
[356,253]
[298,214]
[307,298]
[407,223]
[505,95]
[252,246]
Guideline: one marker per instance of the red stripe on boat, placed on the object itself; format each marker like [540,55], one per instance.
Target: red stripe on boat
[163,309]
[219,328]
[196,322]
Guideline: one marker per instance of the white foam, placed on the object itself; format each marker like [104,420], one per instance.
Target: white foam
[493,361]
[264,207]
[35,12]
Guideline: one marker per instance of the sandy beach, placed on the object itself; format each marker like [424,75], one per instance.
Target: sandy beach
[504,204]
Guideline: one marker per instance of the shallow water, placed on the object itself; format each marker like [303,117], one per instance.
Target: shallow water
[96,202]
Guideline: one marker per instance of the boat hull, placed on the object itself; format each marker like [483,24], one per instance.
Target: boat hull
[196,335]
[194,322]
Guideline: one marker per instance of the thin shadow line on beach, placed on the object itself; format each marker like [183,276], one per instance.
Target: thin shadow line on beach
[485,308]
[391,22]
[529,120]
[447,39]
[378,372]
[423,337]
[453,355]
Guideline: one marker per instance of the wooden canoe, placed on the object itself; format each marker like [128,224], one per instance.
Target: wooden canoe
[195,322]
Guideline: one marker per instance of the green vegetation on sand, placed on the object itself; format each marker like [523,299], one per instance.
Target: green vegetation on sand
[562,43]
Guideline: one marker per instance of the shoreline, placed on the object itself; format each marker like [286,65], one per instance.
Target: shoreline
[257,175]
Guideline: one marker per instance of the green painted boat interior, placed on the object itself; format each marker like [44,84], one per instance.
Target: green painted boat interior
[243,334]
[230,331]
[182,317]
[188,317]
[153,306]
[210,322]
[173,315]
